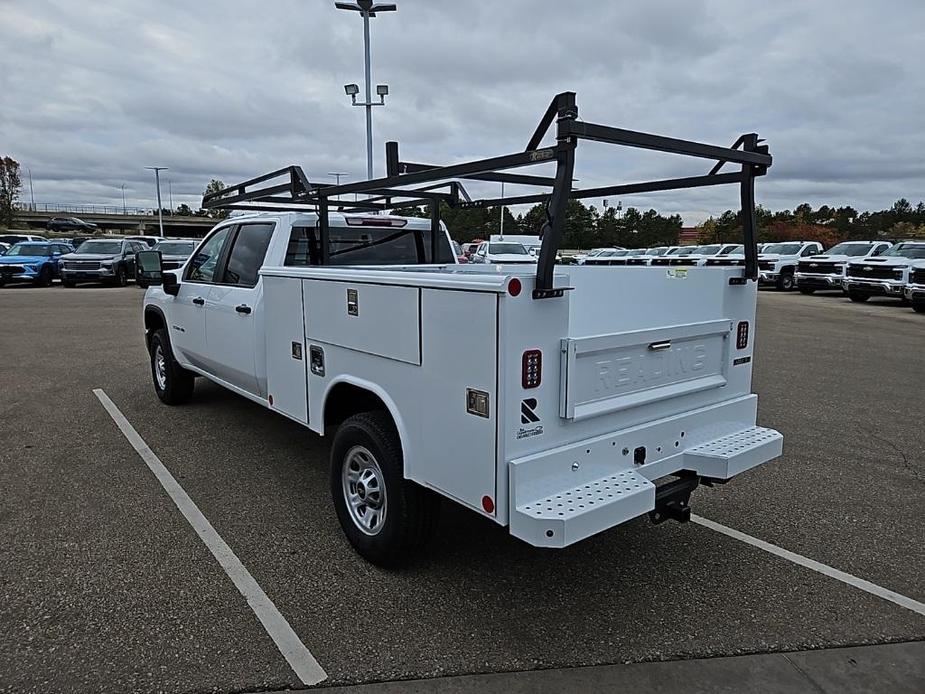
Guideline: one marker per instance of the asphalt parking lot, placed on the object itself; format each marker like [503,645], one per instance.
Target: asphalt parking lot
[105,587]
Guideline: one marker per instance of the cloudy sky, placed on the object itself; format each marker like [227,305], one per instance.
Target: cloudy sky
[91,92]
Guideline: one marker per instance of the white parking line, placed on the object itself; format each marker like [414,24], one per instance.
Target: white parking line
[848,579]
[294,651]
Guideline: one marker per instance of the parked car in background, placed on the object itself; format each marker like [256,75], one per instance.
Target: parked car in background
[915,288]
[885,275]
[470,248]
[149,241]
[174,252]
[606,257]
[32,261]
[677,255]
[623,257]
[581,258]
[531,243]
[69,224]
[645,258]
[777,263]
[108,260]
[461,257]
[4,247]
[827,271]
[506,252]
[19,238]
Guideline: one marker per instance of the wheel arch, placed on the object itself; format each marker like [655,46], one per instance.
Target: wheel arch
[347,396]
[154,320]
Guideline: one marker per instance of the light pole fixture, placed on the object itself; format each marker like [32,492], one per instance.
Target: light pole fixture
[367,9]
[123,199]
[157,180]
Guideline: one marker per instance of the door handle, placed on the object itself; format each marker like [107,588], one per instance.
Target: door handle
[243,308]
[199,301]
[660,346]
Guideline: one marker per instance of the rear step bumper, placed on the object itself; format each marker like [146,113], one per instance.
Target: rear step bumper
[549,509]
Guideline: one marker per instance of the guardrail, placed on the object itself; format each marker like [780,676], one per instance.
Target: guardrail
[89,209]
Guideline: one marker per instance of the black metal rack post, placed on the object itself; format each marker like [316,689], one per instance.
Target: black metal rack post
[393,190]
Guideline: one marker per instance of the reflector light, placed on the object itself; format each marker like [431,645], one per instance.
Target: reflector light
[375,222]
[531,371]
[742,335]
[514,287]
[488,504]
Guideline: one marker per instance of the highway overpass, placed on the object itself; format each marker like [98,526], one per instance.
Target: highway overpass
[138,223]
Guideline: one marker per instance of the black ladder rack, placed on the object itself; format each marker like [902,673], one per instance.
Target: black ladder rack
[441,183]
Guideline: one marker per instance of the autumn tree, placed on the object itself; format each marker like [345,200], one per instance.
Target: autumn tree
[10,187]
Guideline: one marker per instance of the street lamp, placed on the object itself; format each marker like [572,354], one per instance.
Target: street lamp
[367,9]
[123,199]
[157,179]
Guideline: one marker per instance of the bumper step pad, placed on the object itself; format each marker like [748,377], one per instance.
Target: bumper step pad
[729,455]
[572,514]
[551,515]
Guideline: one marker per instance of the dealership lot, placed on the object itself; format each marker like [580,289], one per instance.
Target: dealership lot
[105,586]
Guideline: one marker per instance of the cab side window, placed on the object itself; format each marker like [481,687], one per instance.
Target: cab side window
[204,263]
[247,253]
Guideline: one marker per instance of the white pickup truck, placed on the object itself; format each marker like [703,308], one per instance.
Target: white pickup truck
[886,275]
[557,408]
[827,271]
[777,263]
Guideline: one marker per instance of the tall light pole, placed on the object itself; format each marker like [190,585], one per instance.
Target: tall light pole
[157,180]
[367,9]
[502,210]
[123,200]
[170,195]
[31,190]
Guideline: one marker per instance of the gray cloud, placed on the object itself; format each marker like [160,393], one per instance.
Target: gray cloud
[90,93]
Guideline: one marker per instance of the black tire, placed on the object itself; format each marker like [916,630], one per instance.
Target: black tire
[68,283]
[918,306]
[121,278]
[45,277]
[176,386]
[807,290]
[859,297]
[785,281]
[408,511]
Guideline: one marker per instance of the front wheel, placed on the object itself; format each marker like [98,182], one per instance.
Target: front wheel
[172,383]
[45,277]
[386,518]
[785,282]
[121,278]
[859,297]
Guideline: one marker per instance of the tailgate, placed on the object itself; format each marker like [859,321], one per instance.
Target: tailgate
[609,373]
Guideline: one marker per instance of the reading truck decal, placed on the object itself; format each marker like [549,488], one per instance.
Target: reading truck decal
[529,416]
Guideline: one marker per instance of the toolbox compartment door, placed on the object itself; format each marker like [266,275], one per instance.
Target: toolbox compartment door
[609,373]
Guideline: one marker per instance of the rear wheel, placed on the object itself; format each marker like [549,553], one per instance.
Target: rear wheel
[172,383]
[857,296]
[806,290]
[386,518]
[121,279]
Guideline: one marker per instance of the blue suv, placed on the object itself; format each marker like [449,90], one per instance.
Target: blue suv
[38,262]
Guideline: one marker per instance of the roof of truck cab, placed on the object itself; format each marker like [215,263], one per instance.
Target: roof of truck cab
[334,218]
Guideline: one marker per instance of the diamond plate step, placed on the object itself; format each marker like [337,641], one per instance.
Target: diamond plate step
[563,516]
[729,455]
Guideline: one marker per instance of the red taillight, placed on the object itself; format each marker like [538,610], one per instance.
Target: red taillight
[514,287]
[488,504]
[531,369]
[742,335]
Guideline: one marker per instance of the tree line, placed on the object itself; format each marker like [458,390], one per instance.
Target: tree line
[588,227]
